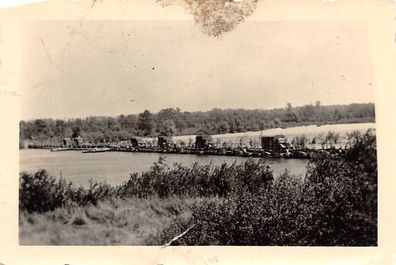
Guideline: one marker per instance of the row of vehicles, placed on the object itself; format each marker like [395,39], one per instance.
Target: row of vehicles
[271,146]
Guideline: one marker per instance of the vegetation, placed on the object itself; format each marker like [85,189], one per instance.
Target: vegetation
[175,122]
[335,204]
[114,221]
[40,192]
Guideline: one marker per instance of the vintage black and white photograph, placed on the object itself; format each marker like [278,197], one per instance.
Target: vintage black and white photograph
[217,131]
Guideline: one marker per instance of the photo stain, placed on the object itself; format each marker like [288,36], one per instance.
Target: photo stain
[216,16]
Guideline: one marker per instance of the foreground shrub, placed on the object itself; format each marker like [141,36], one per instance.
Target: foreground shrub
[244,218]
[40,192]
[339,206]
[197,180]
[336,204]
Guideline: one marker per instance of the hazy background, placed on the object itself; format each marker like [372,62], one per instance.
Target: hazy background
[90,68]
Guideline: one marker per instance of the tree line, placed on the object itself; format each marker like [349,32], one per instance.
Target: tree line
[173,121]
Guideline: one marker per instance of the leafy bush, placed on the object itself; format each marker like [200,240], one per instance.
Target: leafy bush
[265,217]
[336,204]
[339,205]
[40,192]
[197,180]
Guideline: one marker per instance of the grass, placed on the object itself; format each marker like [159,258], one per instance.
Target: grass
[131,221]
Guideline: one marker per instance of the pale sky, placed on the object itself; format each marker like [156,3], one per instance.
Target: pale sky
[76,69]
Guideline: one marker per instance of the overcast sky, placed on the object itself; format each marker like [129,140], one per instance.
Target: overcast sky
[93,68]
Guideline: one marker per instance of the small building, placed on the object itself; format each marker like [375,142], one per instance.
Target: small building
[77,141]
[165,142]
[72,142]
[277,143]
[137,142]
[203,141]
[67,142]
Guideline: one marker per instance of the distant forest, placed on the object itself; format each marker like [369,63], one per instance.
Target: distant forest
[172,121]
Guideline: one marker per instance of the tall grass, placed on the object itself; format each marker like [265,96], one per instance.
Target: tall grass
[115,221]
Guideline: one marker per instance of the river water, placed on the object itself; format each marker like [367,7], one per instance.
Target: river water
[115,167]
